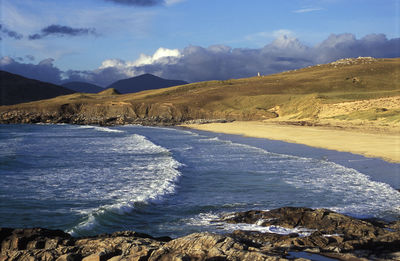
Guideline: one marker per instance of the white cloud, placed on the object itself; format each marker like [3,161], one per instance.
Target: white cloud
[17,19]
[117,63]
[172,2]
[162,55]
[6,60]
[307,10]
[286,52]
[219,62]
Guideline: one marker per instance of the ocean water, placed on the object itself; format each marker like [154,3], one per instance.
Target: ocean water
[88,180]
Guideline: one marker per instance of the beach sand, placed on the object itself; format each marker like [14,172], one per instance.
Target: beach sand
[384,145]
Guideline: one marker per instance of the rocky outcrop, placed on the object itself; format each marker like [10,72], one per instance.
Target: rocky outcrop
[351,61]
[42,244]
[117,113]
[331,234]
[110,113]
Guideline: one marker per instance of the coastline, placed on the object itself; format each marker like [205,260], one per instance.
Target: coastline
[385,146]
[360,239]
[306,234]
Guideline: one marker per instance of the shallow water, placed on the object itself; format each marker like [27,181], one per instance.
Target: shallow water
[88,180]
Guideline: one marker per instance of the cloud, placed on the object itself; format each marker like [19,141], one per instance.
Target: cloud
[172,2]
[146,3]
[43,71]
[162,56]
[9,33]
[30,57]
[219,62]
[61,30]
[143,3]
[347,45]
[307,10]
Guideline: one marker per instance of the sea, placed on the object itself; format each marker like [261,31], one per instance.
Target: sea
[88,180]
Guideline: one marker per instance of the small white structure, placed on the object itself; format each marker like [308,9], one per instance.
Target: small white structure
[258,74]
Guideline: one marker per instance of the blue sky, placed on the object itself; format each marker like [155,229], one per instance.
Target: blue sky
[91,35]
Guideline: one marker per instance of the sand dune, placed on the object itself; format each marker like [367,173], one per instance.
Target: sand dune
[330,110]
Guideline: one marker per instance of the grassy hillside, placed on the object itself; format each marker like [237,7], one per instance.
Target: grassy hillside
[294,95]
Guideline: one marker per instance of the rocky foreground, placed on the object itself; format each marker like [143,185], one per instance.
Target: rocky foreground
[330,234]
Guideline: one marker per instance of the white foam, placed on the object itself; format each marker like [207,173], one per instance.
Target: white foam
[84,126]
[98,128]
[47,124]
[148,179]
[303,232]
[354,192]
[137,144]
[171,129]
[105,129]
[213,221]
[87,224]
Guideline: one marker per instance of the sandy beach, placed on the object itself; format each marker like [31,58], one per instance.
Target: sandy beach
[377,145]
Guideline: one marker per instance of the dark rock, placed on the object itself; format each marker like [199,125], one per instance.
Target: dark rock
[323,220]
[333,232]
[334,235]
[69,257]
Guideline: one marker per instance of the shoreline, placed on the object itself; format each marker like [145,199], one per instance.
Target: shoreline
[376,169]
[318,234]
[384,146]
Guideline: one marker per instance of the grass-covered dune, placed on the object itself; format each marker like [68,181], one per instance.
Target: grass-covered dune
[348,90]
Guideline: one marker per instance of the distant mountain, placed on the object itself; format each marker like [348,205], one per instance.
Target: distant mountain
[83,87]
[142,83]
[17,89]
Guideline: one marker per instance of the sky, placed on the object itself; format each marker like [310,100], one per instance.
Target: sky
[101,41]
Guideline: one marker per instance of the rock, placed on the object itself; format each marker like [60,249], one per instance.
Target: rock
[207,246]
[69,257]
[323,220]
[334,232]
[351,61]
[334,235]
[97,257]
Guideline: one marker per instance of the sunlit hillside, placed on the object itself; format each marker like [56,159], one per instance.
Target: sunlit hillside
[310,94]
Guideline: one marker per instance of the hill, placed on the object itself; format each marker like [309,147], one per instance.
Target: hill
[143,82]
[348,90]
[109,91]
[83,87]
[17,89]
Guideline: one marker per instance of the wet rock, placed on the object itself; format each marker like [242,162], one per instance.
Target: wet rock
[323,220]
[334,235]
[333,232]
